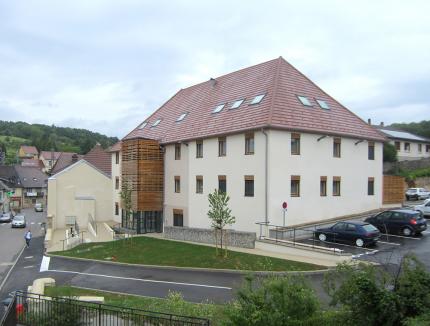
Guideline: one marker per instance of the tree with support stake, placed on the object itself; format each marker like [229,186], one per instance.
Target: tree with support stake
[126,203]
[221,216]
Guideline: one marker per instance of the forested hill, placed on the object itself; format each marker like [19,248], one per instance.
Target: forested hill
[418,128]
[47,138]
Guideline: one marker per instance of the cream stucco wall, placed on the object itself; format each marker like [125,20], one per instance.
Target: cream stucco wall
[77,191]
[315,160]
[116,172]
[235,165]
[413,153]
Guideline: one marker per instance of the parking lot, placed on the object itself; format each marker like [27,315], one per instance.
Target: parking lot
[389,249]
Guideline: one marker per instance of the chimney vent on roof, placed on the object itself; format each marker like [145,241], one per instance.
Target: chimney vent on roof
[213,81]
[382,123]
[74,157]
[369,121]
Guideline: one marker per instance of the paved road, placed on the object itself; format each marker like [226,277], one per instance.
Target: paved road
[12,240]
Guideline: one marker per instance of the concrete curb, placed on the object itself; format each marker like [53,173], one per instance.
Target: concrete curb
[198,269]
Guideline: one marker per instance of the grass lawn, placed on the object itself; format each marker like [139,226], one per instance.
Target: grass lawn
[173,304]
[150,251]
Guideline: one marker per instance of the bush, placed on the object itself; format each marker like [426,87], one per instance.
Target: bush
[283,301]
[390,153]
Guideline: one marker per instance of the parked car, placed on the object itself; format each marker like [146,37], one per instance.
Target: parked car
[5,218]
[38,207]
[19,222]
[417,193]
[355,232]
[424,208]
[399,221]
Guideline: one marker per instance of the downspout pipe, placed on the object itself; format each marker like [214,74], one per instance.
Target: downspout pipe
[266,177]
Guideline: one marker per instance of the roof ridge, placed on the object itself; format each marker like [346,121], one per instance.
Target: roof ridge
[275,90]
[233,72]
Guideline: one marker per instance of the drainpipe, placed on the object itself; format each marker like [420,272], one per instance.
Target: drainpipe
[266,177]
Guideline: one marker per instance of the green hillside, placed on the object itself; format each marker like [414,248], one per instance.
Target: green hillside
[47,138]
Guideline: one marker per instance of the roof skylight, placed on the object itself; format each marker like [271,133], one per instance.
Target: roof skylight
[237,103]
[156,123]
[258,99]
[182,117]
[218,108]
[305,101]
[323,104]
[143,125]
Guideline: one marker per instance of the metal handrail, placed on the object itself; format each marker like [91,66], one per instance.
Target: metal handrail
[74,237]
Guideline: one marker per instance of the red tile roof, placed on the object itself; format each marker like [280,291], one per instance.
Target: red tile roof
[30,162]
[280,108]
[100,158]
[29,149]
[115,147]
[47,155]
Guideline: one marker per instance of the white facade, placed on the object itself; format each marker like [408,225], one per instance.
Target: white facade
[315,161]
[116,186]
[411,150]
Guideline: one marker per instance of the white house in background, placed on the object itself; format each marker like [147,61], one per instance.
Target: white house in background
[264,134]
[115,151]
[408,145]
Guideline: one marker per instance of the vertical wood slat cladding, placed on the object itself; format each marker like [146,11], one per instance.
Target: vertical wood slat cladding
[393,189]
[142,168]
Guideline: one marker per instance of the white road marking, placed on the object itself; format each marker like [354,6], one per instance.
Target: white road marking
[40,223]
[341,244]
[28,257]
[390,243]
[401,236]
[10,270]
[44,266]
[142,280]
[31,266]
[32,223]
[425,232]
[6,264]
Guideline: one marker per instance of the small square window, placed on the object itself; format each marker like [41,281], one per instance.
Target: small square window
[199,184]
[371,186]
[249,144]
[295,186]
[236,104]
[156,123]
[249,186]
[305,101]
[407,147]
[178,217]
[336,186]
[177,151]
[397,144]
[336,147]
[143,125]
[222,183]
[218,108]
[222,146]
[258,99]
[177,184]
[181,117]
[323,186]
[323,104]
[371,151]
[295,144]
[199,148]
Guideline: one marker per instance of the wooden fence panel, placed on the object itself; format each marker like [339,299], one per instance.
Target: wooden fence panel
[393,189]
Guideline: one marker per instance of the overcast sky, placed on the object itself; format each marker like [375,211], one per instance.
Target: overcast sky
[106,65]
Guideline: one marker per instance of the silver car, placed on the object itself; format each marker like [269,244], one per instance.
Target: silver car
[5,218]
[19,222]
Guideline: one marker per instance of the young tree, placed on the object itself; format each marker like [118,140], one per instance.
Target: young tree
[126,202]
[220,215]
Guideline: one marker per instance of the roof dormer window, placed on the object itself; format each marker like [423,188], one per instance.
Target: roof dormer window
[142,125]
[156,123]
[237,103]
[323,104]
[218,108]
[258,99]
[182,117]
[305,101]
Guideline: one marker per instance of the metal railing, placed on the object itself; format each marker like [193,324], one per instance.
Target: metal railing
[300,237]
[34,310]
[73,241]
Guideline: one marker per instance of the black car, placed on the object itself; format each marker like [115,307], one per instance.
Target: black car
[355,232]
[399,221]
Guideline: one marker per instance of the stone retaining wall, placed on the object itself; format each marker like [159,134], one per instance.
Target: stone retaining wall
[235,238]
[393,167]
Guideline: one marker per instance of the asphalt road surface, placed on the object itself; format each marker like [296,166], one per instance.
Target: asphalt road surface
[12,240]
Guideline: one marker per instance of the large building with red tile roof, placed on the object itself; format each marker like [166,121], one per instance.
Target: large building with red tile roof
[266,135]
[28,152]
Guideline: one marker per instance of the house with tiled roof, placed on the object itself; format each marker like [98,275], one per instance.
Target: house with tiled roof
[266,135]
[408,145]
[28,152]
[34,183]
